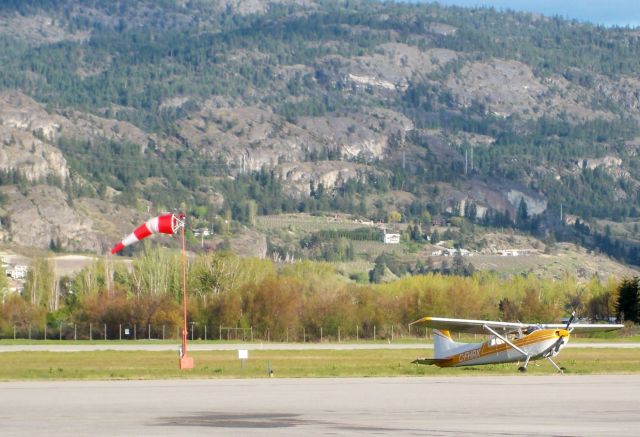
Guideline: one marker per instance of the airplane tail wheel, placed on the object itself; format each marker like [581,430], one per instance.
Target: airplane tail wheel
[522,369]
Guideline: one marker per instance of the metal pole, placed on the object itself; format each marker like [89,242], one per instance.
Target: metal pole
[304,335]
[252,334]
[75,332]
[14,332]
[60,331]
[105,332]
[338,334]
[374,332]
[149,331]
[391,332]
[162,332]
[220,329]
[120,331]
[29,331]
[135,331]
[45,331]
[321,334]
[205,332]
[357,333]
[184,295]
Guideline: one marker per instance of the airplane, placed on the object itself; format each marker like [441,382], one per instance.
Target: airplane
[515,342]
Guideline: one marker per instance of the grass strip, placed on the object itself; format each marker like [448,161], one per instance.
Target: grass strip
[100,365]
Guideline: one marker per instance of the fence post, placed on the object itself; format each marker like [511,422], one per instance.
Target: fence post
[287,334]
[220,329]
[90,333]
[45,331]
[120,332]
[338,334]
[374,332]
[357,333]
[205,332]
[149,331]
[321,334]
[75,332]
[105,332]
[192,324]
[14,332]
[29,331]
[163,332]
[60,331]
[304,335]
[252,334]
[391,332]
[135,331]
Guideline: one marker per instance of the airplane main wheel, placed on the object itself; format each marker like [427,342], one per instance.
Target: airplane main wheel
[562,369]
[522,369]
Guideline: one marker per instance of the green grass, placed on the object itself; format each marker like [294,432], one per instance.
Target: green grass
[290,364]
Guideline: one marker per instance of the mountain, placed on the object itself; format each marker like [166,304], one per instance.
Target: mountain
[112,111]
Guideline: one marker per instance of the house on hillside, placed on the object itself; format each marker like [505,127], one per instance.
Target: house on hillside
[390,238]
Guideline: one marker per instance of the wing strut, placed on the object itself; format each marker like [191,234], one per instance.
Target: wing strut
[505,340]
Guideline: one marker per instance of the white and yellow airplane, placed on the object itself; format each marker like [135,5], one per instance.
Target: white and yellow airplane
[507,343]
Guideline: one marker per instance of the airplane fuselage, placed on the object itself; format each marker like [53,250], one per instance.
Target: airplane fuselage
[538,344]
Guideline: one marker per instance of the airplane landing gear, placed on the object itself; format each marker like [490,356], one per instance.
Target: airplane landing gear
[523,369]
[558,368]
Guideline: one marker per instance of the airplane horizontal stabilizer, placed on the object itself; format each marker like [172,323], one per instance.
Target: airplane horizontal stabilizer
[427,361]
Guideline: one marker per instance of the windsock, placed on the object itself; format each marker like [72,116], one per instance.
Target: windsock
[164,224]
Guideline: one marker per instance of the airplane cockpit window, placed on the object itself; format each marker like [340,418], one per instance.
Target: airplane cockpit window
[531,329]
[493,341]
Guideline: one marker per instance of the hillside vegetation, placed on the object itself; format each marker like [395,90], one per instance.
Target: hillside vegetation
[407,114]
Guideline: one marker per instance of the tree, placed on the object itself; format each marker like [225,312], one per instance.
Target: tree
[523,214]
[628,300]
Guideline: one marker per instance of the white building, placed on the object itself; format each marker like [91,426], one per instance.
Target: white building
[391,238]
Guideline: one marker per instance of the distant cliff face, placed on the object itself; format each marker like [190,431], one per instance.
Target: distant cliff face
[26,132]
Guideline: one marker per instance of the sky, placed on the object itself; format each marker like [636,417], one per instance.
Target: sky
[603,12]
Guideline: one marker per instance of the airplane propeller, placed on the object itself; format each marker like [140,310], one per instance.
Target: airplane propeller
[561,341]
[571,320]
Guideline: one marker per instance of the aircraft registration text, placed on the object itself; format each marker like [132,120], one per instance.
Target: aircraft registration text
[469,355]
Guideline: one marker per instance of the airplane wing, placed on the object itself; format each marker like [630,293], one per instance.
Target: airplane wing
[583,327]
[470,326]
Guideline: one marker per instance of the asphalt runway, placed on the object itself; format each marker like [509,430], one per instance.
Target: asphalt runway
[134,346]
[435,406]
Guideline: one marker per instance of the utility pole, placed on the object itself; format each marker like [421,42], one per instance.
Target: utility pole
[465,162]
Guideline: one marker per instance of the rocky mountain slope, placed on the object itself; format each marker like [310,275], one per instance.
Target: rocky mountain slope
[113,111]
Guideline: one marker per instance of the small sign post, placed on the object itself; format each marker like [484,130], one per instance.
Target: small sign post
[243,354]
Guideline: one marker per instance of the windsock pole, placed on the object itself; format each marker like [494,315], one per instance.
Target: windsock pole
[186,362]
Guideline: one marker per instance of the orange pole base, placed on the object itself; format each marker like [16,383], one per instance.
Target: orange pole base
[186,363]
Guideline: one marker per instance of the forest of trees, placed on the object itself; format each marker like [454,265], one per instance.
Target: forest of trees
[230,291]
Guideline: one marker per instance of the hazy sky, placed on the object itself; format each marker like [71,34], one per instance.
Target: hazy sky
[605,12]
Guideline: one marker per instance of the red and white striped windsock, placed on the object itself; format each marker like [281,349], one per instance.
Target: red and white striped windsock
[164,224]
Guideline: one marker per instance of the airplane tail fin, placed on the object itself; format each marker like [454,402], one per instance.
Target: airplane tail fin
[442,343]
